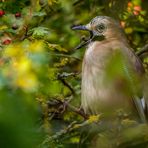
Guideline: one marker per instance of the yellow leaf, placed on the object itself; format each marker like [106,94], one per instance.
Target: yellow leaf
[27,82]
[22,65]
[56,47]
[3,27]
[51,2]
[128,30]
[15,50]
[37,46]
[94,118]
[75,139]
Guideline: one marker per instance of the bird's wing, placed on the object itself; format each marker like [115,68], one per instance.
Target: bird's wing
[138,67]
[137,64]
[140,109]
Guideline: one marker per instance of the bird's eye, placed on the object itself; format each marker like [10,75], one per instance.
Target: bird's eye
[100,28]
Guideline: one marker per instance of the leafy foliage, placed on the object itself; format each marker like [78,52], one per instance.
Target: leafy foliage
[41,72]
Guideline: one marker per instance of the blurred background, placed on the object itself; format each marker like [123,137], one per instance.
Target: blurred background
[40,70]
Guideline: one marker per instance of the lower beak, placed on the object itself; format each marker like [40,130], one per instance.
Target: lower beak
[80,27]
[85,28]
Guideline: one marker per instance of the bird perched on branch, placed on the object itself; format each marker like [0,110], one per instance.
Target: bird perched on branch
[111,72]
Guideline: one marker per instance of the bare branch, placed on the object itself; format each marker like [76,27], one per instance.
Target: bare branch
[66,83]
[78,111]
[143,50]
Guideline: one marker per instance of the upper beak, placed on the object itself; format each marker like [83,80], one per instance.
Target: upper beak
[79,27]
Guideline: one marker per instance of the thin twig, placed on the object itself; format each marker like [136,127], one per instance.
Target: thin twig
[143,50]
[77,2]
[25,34]
[66,84]
[65,55]
[77,110]
[66,105]
[66,75]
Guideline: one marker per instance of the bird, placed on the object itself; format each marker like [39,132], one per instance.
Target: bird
[112,73]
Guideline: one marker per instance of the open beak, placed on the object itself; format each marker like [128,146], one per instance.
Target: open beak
[85,28]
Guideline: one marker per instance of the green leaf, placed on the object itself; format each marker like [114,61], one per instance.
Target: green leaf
[39,31]
[39,14]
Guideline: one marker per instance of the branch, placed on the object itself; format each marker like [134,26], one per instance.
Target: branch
[61,107]
[66,75]
[78,111]
[77,2]
[143,50]
[67,85]
[65,55]
[73,126]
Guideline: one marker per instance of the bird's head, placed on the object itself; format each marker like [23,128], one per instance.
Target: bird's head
[101,26]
